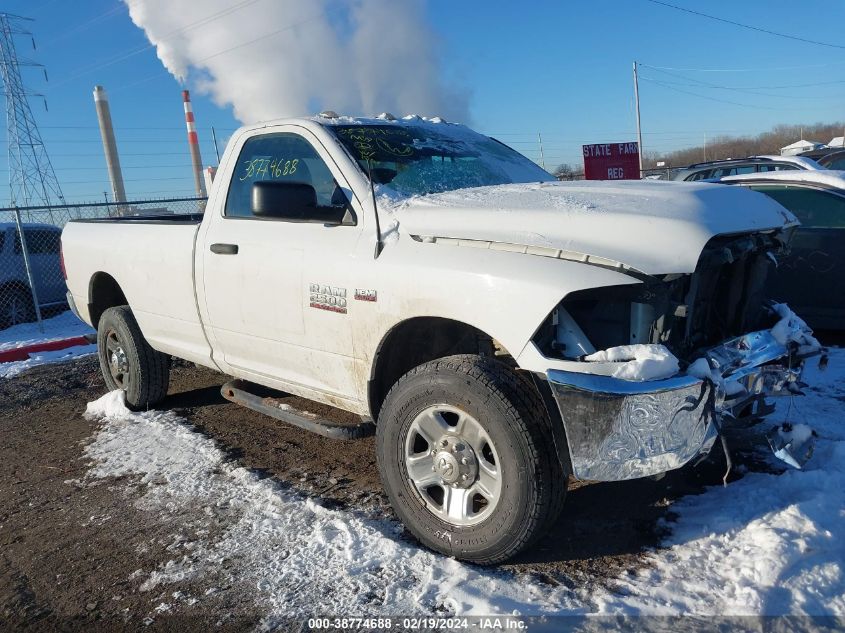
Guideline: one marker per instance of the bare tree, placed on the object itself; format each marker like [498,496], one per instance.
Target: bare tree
[565,171]
[742,146]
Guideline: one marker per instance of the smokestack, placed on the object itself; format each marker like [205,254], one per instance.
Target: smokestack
[193,144]
[101,103]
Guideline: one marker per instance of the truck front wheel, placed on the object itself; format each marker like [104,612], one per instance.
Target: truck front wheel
[127,360]
[466,455]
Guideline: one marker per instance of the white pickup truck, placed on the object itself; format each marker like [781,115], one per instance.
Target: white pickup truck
[497,330]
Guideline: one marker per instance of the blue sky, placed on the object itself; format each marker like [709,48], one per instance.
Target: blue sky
[562,69]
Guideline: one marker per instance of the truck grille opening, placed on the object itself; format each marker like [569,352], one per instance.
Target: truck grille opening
[723,298]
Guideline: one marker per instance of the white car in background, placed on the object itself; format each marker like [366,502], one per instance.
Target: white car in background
[753,164]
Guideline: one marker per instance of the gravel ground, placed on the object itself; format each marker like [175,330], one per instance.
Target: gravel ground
[70,549]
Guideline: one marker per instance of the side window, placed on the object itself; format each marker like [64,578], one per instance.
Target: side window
[279,157]
[726,171]
[39,242]
[817,209]
[785,167]
[746,169]
[836,163]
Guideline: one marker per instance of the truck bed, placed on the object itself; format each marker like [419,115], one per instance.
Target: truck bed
[175,218]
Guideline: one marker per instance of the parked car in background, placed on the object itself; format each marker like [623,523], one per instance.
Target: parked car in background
[42,240]
[750,165]
[810,277]
[827,157]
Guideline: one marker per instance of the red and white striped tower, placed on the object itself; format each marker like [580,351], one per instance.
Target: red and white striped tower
[193,144]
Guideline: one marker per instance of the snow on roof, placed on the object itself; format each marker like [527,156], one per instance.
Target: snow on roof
[382,119]
[825,177]
[837,141]
[801,144]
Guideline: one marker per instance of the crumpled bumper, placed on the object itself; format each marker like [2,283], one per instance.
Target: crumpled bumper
[618,429]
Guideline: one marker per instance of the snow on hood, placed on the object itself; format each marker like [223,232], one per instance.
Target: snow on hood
[655,227]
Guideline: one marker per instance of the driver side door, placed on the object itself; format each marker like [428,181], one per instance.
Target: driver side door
[258,273]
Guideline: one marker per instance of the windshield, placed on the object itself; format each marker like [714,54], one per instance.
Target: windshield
[431,158]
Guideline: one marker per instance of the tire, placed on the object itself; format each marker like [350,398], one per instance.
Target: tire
[128,362]
[16,307]
[515,436]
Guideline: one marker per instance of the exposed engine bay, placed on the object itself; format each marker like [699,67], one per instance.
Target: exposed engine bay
[687,313]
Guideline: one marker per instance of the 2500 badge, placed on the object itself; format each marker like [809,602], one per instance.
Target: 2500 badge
[329,298]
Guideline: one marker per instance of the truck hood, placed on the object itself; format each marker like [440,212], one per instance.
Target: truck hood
[654,227]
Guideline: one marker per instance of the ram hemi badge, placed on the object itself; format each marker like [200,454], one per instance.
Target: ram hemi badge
[365,295]
[328,298]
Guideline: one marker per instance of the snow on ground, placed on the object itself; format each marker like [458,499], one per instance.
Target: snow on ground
[63,326]
[767,544]
[9,370]
[296,557]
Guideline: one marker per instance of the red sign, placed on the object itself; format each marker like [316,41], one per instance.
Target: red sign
[612,161]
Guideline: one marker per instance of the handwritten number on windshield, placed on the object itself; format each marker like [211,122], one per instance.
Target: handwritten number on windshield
[272,167]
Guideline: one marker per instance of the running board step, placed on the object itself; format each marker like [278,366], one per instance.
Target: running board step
[237,391]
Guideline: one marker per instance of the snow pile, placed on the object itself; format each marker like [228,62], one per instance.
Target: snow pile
[112,405]
[792,329]
[767,544]
[638,362]
[294,556]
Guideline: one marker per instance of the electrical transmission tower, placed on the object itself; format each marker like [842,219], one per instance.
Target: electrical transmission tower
[32,180]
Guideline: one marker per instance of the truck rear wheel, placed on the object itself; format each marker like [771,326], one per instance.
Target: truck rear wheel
[127,360]
[466,455]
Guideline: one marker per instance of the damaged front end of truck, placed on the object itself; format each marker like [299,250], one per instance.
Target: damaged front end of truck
[730,348]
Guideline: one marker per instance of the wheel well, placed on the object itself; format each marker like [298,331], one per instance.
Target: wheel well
[103,293]
[420,340]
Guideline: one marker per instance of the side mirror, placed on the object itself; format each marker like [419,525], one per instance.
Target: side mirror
[292,201]
[296,202]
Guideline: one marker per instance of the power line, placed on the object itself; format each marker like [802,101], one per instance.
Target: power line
[84,25]
[700,82]
[701,96]
[139,127]
[233,48]
[750,70]
[132,52]
[747,26]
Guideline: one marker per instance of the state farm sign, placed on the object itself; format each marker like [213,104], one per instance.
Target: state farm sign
[612,161]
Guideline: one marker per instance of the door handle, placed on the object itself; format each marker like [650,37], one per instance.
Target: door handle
[224,249]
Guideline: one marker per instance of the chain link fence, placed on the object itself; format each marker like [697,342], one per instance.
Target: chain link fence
[32,286]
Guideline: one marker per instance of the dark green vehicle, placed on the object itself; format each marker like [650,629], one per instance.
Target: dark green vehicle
[811,279]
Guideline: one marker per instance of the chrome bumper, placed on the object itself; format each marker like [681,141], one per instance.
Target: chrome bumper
[618,429]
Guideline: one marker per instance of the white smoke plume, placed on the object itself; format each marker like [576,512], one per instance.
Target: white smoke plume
[276,58]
